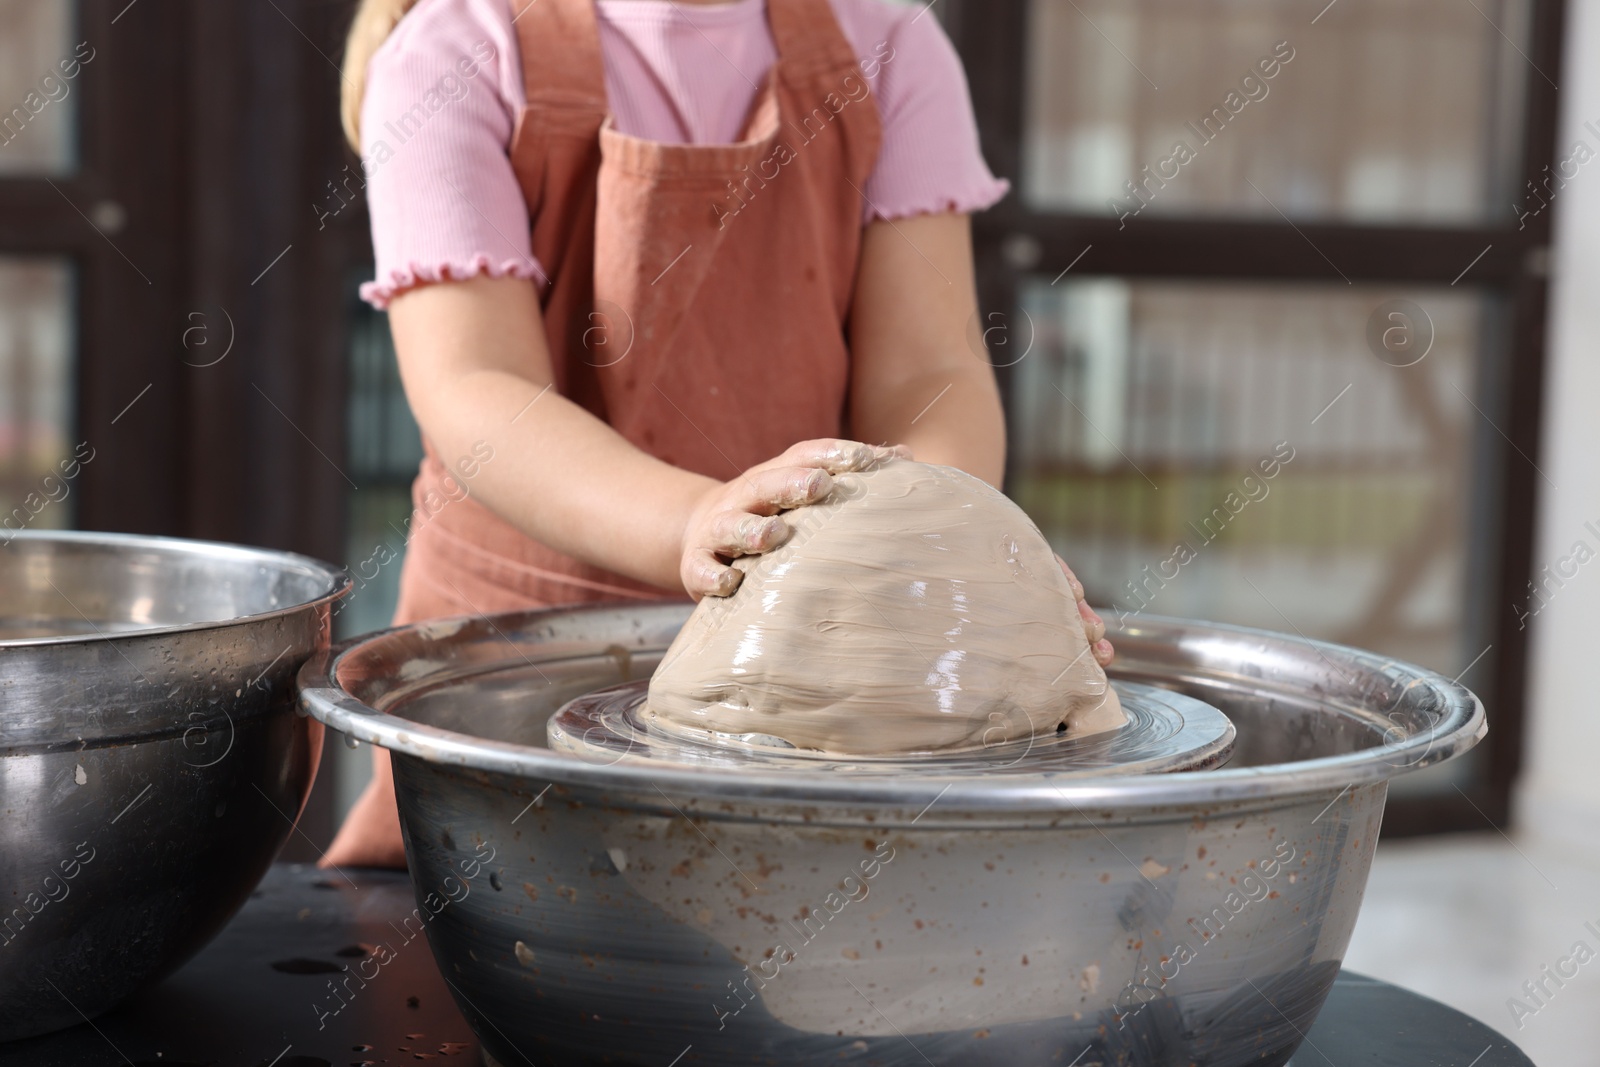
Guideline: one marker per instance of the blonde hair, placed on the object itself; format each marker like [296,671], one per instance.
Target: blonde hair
[374,21]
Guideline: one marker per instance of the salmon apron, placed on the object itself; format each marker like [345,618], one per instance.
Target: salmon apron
[697,297]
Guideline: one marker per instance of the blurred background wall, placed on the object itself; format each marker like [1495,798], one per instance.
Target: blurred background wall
[1559,791]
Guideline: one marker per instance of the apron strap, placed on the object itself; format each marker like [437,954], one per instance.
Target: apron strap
[560,44]
[807,35]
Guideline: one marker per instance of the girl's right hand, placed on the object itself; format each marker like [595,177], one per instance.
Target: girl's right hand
[741,517]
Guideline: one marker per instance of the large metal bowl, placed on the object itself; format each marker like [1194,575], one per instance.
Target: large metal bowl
[151,761]
[633,913]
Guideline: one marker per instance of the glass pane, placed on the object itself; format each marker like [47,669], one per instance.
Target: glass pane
[385,448]
[39,457]
[1401,111]
[1237,452]
[41,62]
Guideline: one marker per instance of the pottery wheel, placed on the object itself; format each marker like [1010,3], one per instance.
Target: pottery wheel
[1165,731]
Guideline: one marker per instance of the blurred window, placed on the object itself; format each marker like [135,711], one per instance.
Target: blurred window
[1234,451]
[39,67]
[37,356]
[1400,111]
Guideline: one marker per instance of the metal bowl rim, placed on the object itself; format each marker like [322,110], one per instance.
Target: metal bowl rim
[337,583]
[1461,725]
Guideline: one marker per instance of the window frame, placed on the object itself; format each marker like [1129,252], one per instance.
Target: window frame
[128,399]
[215,128]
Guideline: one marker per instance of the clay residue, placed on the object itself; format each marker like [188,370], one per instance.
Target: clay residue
[914,609]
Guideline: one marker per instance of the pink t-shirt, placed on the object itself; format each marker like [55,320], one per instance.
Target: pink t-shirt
[444,91]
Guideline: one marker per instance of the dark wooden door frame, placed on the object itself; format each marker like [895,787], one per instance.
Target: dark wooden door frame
[207,132]
[992,36]
[266,456]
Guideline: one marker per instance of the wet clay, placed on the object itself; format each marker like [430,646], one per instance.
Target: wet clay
[914,609]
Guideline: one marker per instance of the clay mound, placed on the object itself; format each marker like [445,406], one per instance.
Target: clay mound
[914,609]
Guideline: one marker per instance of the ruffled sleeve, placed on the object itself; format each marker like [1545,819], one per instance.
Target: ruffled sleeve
[930,161]
[442,96]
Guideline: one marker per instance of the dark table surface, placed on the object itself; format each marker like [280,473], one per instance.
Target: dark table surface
[261,995]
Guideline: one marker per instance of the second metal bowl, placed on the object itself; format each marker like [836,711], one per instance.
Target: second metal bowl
[151,761]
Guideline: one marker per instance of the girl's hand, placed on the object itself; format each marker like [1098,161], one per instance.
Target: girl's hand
[1094,627]
[740,518]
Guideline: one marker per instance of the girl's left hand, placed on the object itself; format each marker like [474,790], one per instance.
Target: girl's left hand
[1094,627]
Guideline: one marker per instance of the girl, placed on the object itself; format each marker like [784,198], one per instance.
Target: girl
[632,250]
